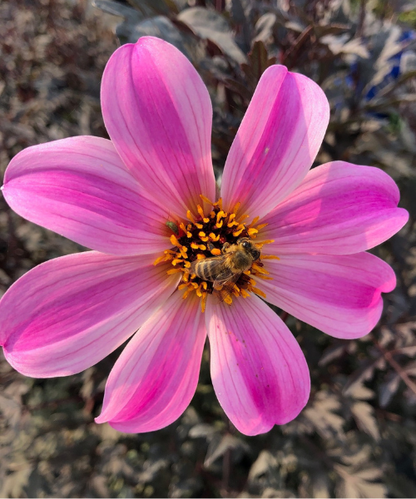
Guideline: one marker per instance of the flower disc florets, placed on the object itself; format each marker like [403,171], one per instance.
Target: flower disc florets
[209,234]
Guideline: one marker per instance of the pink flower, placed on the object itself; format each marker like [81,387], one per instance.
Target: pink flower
[136,201]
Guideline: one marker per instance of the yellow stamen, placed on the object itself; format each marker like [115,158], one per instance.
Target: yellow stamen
[185,229]
[187,292]
[236,207]
[173,271]
[254,221]
[228,300]
[260,244]
[164,258]
[243,217]
[174,240]
[258,292]
[239,230]
[203,302]
[200,211]
[190,217]
[220,215]
[204,198]
[259,269]
[207,229]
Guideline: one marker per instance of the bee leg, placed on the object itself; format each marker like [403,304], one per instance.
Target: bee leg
[224,248]
[210,246]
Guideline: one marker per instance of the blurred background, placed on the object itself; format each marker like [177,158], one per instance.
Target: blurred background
[357,435]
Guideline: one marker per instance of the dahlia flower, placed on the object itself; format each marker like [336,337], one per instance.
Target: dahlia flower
[146,203]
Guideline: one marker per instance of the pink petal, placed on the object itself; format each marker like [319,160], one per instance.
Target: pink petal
[341,295]
[339,208]
[276,143]
[156,376]
[69,313]
[158,113]
[80,188]
[258,370]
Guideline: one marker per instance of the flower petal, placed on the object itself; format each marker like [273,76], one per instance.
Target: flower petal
[158,113]
[258,370]
[80,188]
[156,376]
[339,208]
[277,142]
[69,313]
[341,295]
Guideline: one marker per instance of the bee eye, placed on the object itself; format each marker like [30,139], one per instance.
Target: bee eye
[245,244]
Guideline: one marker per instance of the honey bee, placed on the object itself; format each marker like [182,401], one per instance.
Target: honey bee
[225,270]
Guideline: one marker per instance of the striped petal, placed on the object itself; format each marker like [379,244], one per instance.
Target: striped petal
[341,295]
[155,377]
[158,113]
[67,314]
[339,208]
[258,370]
[277,142]
[79,187]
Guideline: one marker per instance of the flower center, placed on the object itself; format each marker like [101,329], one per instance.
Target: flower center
[216,253]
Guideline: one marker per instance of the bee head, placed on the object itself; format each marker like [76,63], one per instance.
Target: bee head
[249,247]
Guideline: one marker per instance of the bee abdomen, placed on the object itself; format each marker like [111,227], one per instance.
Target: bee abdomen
[204,271]
[210,269]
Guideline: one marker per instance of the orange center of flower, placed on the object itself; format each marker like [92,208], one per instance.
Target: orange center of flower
[216,253]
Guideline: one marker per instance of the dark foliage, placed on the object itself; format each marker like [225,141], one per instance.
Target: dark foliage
[357,435]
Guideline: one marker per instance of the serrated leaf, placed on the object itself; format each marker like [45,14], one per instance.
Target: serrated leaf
[358,483]
[364,373]
[364,417]
[218,447]
[202,430]
[264,462]
[331,353]
[388,389]
[323,417]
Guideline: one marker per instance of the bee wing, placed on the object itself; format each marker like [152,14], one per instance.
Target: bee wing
[226,280]
[226,288]
[223,276]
